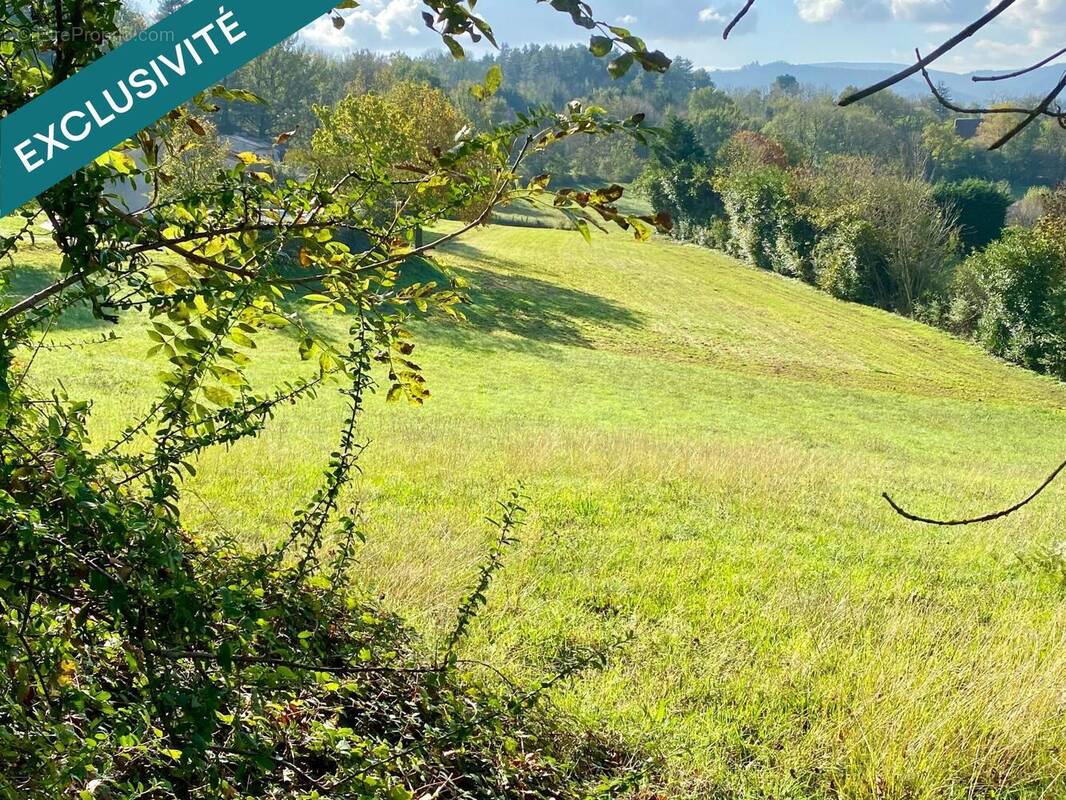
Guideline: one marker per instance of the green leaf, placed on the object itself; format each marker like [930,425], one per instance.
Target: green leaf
[307,349]
[242,339]
[119,162]
[494,79]
[225,656]
[600,46]
[456,49]
[656,61]
[621,65]
[218,396]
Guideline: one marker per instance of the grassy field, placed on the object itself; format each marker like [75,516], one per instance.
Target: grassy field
[704,447]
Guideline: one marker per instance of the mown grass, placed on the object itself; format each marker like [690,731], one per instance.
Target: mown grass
[704,447]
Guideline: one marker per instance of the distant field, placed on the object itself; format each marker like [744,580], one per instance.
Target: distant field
[704,447]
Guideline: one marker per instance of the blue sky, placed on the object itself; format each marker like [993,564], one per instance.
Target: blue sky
[800,31]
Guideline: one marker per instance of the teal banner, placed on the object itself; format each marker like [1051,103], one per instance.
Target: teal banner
[131,87]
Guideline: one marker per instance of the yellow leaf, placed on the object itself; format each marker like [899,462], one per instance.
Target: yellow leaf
[67,671]
[120,162]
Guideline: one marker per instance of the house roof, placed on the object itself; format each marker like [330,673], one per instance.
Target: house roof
[966,127]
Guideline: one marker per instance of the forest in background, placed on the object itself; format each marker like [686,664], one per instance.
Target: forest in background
[890,202]
[919,134]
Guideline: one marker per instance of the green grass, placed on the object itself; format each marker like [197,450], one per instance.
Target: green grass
[704,447]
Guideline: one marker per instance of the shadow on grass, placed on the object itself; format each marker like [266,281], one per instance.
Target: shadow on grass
[27,279]
[504,298]
[536,312]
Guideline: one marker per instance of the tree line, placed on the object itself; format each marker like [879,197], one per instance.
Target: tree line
[880,202]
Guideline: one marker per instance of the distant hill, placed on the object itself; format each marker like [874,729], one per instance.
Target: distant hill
[836,77]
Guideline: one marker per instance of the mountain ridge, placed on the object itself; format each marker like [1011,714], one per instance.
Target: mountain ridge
[835,77]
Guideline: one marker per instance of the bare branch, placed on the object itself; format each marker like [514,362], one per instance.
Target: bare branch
[736,20]
[947,103]
[1019,72]
[1030,113]
[950,44]
[37,298]
[976,520]
[1036,112]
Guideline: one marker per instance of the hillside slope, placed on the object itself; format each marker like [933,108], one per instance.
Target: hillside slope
[704,446]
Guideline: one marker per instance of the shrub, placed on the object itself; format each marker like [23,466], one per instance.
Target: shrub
[684,191]
[193,161]
[979,208]
[764,227]
[906,251]
[848,262]
[1030,209]
[143,661]
[747,150]
[1012,298]
[1055,203]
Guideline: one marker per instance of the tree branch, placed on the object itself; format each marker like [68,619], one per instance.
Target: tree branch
[736,19]
[976,520]
[1036,112]
[37,298]
[1019,72]
[950,44]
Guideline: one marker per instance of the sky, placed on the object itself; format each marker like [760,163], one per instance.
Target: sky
[798,31]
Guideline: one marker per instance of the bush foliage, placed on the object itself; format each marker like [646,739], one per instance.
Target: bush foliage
[978,207]
[1012,298]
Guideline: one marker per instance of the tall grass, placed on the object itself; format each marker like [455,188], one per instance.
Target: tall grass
[704,446]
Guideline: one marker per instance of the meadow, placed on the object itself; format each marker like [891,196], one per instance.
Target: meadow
[703,447]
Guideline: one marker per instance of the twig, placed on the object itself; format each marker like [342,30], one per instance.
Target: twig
[265,661]
[36,299]
[1036,112]
[950,44]
[1019,72]
[948,104]
[976,520]
[736,20]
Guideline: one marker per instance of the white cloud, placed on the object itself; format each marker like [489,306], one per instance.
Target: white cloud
[387,15]
[321,33]
[627,19]
[1044,21]
[720,15]
[935,15]
[711,15]
[920,10]
[818,10]
[385,18]
[1027,31]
